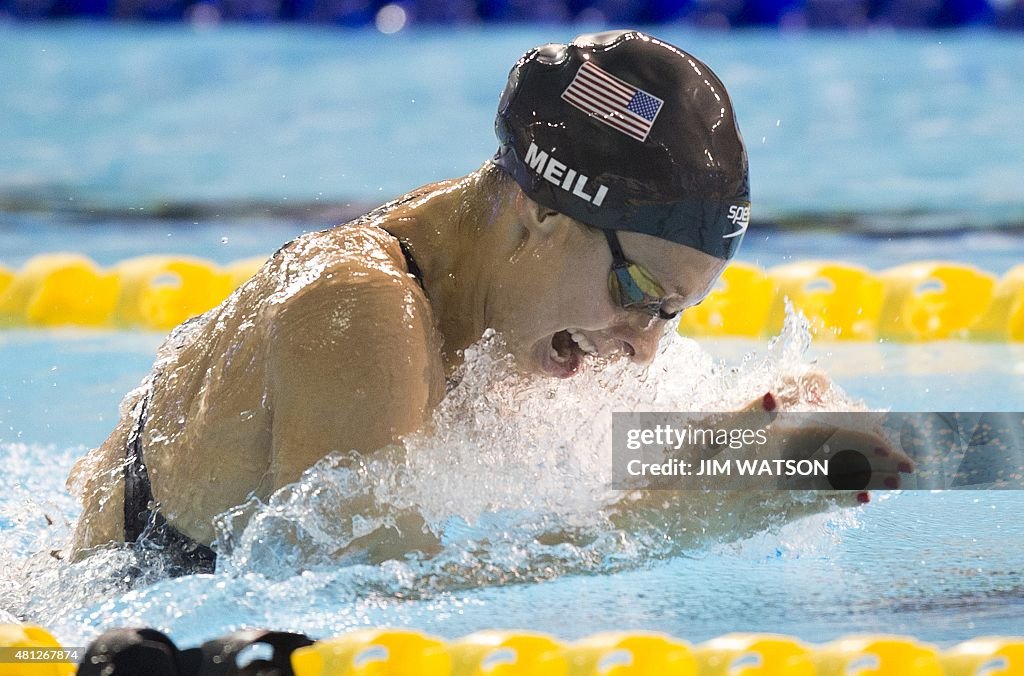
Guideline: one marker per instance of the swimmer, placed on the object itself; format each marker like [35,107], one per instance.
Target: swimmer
[617,196]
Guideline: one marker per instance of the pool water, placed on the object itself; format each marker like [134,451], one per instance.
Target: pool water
[898,144]
[941,565]
[910,129]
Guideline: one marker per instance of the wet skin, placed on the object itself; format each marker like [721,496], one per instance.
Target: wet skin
[333,346]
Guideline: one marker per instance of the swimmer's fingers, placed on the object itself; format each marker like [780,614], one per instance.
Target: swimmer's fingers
[759,413]
[857,451]
[851,498]
[762,411]
[857,460]
[766,403]
[810,387]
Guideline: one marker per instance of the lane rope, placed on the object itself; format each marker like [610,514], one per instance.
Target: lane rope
[918,301]
[30,650]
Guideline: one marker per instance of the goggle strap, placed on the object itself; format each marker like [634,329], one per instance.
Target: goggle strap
[618,258]
[629,291]
[627,286]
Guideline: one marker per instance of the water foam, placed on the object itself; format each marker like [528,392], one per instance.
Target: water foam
[513,473]
[508,483]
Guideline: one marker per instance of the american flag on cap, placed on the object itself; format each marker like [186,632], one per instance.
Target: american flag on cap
[613,101]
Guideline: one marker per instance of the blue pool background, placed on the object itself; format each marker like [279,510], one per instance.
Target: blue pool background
[899,147]
[905,130]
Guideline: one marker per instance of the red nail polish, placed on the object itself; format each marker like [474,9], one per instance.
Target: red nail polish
[892,482]
[769,402]
[905,468]
[863,497]
[881,451]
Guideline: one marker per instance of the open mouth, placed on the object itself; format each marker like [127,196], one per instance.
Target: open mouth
[561,355]
[565,352]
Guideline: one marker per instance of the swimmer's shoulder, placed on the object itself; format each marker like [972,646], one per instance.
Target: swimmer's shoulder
[351,285]
[355,254]
[354,356]
[349,265]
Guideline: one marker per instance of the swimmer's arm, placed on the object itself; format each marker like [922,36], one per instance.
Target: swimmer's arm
[350,367]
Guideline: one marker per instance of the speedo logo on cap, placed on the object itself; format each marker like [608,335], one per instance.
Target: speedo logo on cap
[739,215]
[557,173]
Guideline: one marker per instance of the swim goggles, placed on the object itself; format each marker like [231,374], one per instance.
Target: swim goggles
[633,287]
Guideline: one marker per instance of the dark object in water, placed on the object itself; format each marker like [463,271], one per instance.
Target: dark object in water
[148,652]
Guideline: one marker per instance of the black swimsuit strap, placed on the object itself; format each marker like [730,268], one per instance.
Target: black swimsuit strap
[410,262]
[143,522]
[138,494]
[417,274]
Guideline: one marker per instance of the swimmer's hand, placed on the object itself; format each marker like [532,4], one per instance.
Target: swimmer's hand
[693,516]
[865,459]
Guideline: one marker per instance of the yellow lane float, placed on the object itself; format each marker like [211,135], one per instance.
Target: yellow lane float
[738,306]
[58,289]
[6,277]
[754,655]
[877,656]
[930,300]
[22,645]
[985,656]
[630,654]
[407,652]
[1005,315]
[374,652]
[507,653]
[840,300]
[160,292]
[920,301]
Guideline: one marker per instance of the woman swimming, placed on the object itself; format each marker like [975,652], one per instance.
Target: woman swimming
[618,194]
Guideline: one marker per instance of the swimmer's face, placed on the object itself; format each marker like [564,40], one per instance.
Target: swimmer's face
[554,306]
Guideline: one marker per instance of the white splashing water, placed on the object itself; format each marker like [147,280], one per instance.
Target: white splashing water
[509,482]
[521,465]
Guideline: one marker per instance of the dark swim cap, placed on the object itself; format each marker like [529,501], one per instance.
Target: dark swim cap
[621,131]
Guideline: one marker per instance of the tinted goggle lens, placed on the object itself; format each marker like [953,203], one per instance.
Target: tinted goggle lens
[633,288]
